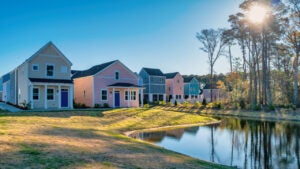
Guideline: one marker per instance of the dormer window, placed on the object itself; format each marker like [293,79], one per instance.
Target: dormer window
[35,67]
[117,75]
[50,70]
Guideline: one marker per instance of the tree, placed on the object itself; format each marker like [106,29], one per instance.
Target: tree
[213,43]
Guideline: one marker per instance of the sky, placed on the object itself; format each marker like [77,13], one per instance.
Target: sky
[140,33]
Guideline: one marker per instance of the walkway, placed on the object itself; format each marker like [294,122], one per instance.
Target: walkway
[8,107]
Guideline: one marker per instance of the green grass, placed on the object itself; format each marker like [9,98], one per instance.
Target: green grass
[90,139]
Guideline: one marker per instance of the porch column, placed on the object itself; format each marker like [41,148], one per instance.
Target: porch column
[31,96]
[128,97]
[142,98]
[45,97]
[59,96]
[113,93]
[71,96]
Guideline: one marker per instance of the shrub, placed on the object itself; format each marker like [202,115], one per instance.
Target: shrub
[293,107]
[26,105]
[175,103]
[271,107]
[197,104]
[170,104]
[185,104]
[162,103]
[97,106]
[256,107]
[242,103]
[210,105]
[146,105]
[204,103]
[105,105]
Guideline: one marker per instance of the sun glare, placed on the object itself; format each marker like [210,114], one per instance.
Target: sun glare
[257,13]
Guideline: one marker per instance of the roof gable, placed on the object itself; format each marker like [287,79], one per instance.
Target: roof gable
[171,75]
[93,70]
[153,72]
[49,49]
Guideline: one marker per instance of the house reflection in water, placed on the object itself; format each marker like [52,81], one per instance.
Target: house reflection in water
[158,136]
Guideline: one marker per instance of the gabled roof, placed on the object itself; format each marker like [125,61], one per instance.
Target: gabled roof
[187,79]
[49,44]
[153,72]
[171,75]
[93,70]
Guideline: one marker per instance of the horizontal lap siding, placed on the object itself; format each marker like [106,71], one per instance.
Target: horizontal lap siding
[81,85]
[107,77]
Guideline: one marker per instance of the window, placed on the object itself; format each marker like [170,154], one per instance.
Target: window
[35,95]
[50,70]
[133,95]
[63,69]
[161,97]
[35,67]
[50,94]
[179,97]
[117,74]
[126,95]
[196,96]
[103,94]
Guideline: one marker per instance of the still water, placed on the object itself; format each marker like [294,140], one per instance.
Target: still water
[235,142]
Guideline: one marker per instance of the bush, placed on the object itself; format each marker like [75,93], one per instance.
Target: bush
[185,104]
[105,105]
[271,107]
[293,107]
[26,105]
[197,104]
[204,103]
[210,105]
[170,104]
[146,105]
[97,106]
[175,103]
[242,103]
[162,103]
[256,107]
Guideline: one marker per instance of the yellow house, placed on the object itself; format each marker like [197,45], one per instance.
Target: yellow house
[43,81]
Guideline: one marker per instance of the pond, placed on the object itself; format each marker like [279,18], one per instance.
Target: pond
[235,142]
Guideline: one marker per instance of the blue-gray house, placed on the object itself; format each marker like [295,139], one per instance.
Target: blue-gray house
[191,88]
[154,84]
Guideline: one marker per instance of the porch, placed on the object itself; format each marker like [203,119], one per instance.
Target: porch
[52,94]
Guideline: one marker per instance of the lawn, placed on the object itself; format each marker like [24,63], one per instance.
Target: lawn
[90,139]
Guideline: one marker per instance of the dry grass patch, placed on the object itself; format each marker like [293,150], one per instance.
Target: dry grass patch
[90,139]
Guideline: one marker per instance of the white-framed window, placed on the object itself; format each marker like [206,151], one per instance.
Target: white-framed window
[64,69]
[50,94]
[126,95]
[133,95]
[35,67]
[35,93]
[117,75]
[49,70]
[103,94]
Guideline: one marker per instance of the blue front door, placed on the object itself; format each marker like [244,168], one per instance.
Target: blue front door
[64,98]
[117,99]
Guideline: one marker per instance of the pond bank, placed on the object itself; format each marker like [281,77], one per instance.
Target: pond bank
[277,115]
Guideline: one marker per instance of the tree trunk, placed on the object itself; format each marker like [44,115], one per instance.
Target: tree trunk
[211,82]
[295,75]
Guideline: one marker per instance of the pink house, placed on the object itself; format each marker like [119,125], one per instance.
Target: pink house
[110,83]
[174,86]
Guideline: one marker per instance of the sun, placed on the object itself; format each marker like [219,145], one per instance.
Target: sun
[257,13]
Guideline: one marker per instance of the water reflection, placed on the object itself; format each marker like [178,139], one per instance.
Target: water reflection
[235,142]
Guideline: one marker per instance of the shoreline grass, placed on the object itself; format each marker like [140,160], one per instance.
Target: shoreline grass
[91,139]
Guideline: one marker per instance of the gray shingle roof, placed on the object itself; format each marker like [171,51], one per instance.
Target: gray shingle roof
[93,70]
[187,79]
[154,72]
[170,75]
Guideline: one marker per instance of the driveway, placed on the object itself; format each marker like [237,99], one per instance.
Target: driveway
[8,107]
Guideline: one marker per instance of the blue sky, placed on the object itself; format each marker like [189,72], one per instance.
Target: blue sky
[140,33]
